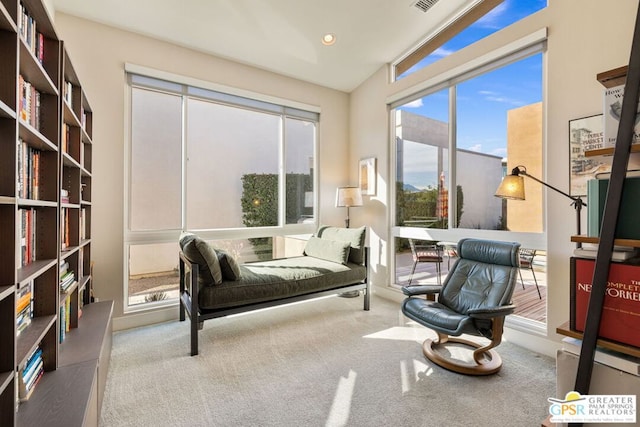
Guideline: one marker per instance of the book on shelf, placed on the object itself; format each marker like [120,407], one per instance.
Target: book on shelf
[66,136]
[62,329]
[627,227]
[64,196]
[621,307]
[30,374]
[613,97]
[66,280]
[616,255]
[29,102]
[65,237]
[67,92]
[28,31]
[27,236]
[620,361]
[24,307]
[28,171]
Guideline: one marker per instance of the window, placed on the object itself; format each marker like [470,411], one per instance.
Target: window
[454,142]
[224,165]
[480,20]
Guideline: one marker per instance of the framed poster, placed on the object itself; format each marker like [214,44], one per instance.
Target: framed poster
[585,134]
[367,176]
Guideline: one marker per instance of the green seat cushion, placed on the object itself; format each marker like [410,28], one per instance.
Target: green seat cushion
[280,278]
[199,252]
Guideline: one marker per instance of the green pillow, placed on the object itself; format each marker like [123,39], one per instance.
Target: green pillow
[355,236]
[329,250]
[228,265]
[198,251]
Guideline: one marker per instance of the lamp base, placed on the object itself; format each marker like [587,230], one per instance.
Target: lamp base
[350,294]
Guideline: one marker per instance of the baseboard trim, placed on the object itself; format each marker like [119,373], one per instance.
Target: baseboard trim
[146,318]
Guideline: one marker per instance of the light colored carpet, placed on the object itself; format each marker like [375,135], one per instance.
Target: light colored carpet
[320,363]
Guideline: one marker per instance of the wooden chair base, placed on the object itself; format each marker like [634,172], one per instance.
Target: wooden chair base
[486,361]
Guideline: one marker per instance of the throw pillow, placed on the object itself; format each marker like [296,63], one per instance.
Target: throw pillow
[329,250]
[228,265]
[198,251]
[355,236]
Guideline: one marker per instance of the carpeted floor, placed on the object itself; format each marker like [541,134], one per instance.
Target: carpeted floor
[321,363]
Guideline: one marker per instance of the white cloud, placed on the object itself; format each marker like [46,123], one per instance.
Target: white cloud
[476,148]
[442,52]
[490,20]
[414,104]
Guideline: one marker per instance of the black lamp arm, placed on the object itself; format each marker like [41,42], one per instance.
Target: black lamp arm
[521,170]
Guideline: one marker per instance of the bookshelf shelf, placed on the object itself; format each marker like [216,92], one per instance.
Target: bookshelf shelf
[565,330]
[6,112]
[6,291]
[35,269]
[35,139]
[7,22]
[5,380]
[32,335]
[595,240]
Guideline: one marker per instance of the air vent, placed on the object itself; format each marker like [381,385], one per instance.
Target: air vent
[425,5]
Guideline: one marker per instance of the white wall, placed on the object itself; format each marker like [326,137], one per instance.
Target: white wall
[585,37]
[99,53]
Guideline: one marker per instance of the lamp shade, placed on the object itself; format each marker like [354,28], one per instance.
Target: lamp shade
[348,197]
[512,187]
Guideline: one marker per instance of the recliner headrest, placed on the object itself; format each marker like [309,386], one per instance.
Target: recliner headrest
[489,251]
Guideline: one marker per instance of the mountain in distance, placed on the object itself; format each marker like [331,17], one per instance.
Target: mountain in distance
[409,187]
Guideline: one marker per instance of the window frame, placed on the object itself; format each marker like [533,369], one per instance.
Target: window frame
[524,47]
[189,87]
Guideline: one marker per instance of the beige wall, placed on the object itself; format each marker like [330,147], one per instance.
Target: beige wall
[585,37]
[99,53]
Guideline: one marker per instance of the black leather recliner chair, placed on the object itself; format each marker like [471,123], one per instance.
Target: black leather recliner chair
[474,299]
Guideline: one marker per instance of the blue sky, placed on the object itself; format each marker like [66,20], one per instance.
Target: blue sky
[483,102]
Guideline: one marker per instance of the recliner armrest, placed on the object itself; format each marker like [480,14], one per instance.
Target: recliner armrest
[491,312]
[421,290]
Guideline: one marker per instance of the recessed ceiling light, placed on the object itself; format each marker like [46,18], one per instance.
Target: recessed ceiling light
[328,39]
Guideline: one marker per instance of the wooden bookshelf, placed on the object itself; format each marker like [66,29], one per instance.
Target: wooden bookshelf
[46,125]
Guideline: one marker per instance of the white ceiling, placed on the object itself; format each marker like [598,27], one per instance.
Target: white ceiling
[283,36]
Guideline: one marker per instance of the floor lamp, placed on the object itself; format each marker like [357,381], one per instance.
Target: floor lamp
[512,187]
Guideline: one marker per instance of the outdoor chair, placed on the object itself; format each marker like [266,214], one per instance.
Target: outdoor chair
[474,299]
[429,252]
[526,261]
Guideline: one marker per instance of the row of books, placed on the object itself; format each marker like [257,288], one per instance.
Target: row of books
[64,196]
[66,137]
[83,223]
[27,236]
[24,307]
[28,171]
[31,374]
[65,318]
[65,235]
[67,277]
[67,92]
[30,99]
[29,33]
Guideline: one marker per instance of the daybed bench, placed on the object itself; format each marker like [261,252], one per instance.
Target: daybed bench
[213,284]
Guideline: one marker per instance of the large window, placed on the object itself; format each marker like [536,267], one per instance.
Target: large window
[226,166]
[454,143]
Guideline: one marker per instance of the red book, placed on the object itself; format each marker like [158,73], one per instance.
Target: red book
[621,311]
